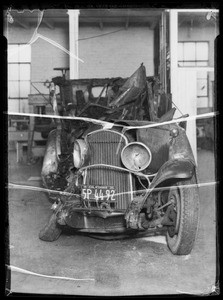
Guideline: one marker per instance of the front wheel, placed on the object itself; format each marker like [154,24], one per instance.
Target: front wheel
[185,212]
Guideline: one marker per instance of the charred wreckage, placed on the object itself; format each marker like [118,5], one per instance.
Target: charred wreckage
[116,165]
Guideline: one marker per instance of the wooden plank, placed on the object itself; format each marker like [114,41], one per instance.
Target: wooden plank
[23,136]
[19,150]
[35,99]
[92,81]
[31,136]
[18,135]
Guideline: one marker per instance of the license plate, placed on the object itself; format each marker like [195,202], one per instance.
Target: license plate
[98,193]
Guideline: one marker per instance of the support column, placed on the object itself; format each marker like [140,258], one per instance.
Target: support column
[182,84]
[173,53]
[73,41]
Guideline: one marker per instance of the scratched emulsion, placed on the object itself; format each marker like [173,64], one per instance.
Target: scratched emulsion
[103,276]
[39,189]
[37,35]
[20,270]
[108,125]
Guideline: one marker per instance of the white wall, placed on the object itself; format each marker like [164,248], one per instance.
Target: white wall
[117,54]
[186,101]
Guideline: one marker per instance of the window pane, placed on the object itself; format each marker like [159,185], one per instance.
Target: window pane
[24,53]
[13,53]
[97,90]
[13,105]
[24,72]
[202,87]
[202,102]
[13,89]
[24,105]
[24,88]
[202,75]
[201,51]
[13,71]
[189,51]
[180,51]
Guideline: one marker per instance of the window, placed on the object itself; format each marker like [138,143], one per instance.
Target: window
[19,63]
[202,89]
[193,54]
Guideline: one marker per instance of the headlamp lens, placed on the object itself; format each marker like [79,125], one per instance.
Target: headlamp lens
[136,156]
[79,153]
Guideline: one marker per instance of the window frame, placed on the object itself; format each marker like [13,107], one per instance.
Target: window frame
[193,63]
[19,80]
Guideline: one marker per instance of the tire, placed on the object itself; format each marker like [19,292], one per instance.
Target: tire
[50,231]
[181,238]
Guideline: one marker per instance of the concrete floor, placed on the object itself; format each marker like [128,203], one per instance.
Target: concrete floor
[142,266]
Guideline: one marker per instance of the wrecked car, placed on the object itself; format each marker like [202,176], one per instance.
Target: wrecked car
[120,164]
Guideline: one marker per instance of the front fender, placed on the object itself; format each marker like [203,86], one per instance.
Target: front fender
[179,168]
[50,162]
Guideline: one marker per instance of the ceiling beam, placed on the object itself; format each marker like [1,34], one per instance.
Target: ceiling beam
[181,20]
[152,24]
[48,23]
[22,23]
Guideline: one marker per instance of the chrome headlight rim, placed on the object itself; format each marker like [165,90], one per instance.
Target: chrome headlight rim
[80,153]
[146,148]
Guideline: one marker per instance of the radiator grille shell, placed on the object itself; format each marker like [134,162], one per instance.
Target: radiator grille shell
[105,148]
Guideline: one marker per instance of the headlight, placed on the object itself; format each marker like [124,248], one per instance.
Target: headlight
[79,153]
[136,156]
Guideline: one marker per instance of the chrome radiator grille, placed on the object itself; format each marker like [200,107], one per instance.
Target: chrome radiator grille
[105,148]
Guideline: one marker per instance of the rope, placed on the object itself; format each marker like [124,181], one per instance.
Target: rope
[20,270]
[109,125]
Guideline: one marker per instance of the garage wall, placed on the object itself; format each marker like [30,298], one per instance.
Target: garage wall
[46,57]
[117,54]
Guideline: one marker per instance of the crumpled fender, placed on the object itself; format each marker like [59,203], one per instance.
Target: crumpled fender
[178,168]
[50,162]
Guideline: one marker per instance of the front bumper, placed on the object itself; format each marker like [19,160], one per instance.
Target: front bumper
[92,221]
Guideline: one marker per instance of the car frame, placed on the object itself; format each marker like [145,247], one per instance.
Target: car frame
[122,176]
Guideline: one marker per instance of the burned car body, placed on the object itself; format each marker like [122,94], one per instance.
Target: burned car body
[126,174]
